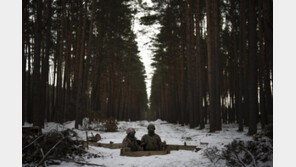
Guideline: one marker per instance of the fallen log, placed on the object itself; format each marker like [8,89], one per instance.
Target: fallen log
[181,147]
[143,153]
[81,163]
[94,138]
[106,145]
[204,143]
[168,146]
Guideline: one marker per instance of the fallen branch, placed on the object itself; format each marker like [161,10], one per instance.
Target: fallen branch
[81,163]
[112,145]
[213,159]
[239,160]
[50,151]
[41,150]
[204,143]
[32,142]
[252,156]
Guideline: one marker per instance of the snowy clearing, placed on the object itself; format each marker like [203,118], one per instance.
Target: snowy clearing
[171,133]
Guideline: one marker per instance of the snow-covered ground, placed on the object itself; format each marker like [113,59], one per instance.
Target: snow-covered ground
[171,133]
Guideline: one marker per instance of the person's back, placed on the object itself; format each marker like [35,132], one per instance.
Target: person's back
[151,141]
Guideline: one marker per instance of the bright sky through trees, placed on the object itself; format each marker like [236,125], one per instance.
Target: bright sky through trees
[144,35]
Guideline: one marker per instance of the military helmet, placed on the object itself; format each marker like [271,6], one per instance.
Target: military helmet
[130,130]
[151,126]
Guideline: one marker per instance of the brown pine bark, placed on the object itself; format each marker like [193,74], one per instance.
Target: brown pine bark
[189,108]
[253,101]
[37,112]
[68,63]
[245,73]
[199,66]
[88,53]
[81,103]
[268,35]
[59,98]
[45,62]
[127,86]
[216,19]
[25,36]
[79,67]
[96,74]
[242,52]
[194,101]
[110,107]
[211,8]
[182,78]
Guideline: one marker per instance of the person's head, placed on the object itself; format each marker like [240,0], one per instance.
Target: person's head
[131,132]
[151,128]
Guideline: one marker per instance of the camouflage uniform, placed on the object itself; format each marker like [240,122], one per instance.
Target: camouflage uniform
[130,142]
[151,141]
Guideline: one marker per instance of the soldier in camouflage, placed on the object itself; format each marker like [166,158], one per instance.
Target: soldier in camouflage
[130,142]
[151,141]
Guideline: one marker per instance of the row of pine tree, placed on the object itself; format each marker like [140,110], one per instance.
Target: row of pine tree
[80,59]
[213,62]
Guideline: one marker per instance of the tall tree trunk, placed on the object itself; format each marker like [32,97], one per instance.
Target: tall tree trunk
[37,111]
[89,50]
[79,67]
[242,52]
[68,64]
[262,65]
[182,87]
[25,37]
[60,77]
[95,94]
[199,66]
[268,27]
[29,87]
[53,107]
[216,19]
[189,69]
[194,103]
[45,63]
[211,65]
[253,101]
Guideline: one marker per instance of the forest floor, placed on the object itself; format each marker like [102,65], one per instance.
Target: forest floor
[171,133]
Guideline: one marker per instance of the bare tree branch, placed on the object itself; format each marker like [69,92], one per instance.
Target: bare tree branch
[32,142]
[252,156]
[50,151]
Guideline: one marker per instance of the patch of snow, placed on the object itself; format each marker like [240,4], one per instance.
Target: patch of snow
[26,124]
[48,126]
[171,133]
